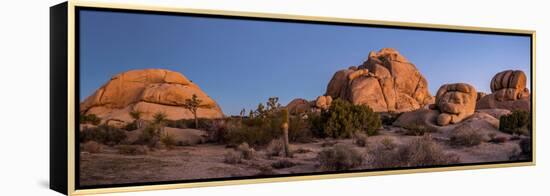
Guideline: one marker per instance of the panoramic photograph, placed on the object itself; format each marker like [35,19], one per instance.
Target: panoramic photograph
[181,98]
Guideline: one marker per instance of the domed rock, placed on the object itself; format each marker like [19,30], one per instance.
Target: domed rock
[508,92]
[298,106]
[387,81]
[148,91]
[455,102]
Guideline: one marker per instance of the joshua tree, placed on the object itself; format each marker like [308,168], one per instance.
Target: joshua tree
[158,120]
[136,115]
[260,111]
[243,112]
[192,105]
[284,126]
[272,104]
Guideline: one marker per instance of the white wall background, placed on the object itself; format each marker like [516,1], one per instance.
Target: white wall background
[24,99]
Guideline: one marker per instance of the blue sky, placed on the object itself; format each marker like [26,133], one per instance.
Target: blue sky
[240,63]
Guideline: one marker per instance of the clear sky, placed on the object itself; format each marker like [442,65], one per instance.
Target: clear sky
[241,63]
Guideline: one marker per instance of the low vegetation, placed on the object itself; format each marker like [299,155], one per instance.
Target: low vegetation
[360,139]
[466,137]
[416,130]
[131,149]
[283,163]
[89,119]
[419,152]
[339,157]
[103,134]
[92,147]
[343,119]
[518,122]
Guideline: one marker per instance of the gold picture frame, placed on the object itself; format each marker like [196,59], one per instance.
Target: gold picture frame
[64,145]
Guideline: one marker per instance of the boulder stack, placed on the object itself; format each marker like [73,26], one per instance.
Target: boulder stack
[508,91]
[386,82]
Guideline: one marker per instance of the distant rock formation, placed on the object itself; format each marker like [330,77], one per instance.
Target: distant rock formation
[455,102]
[298,106]
[386,82]
[508,92]
[148,91]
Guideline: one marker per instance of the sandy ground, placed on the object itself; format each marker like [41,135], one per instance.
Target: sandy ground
[207,160]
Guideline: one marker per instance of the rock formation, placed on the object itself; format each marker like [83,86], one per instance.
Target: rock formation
[508,91]
[455,102]
[298,106]
[386,82]
[148,91]
[323,102]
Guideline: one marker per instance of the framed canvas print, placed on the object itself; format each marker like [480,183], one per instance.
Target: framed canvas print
[148,98]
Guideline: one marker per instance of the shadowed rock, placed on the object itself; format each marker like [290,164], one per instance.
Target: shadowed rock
[508,92]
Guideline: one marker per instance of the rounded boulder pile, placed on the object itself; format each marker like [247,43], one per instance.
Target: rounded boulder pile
[455,102]
[508,91]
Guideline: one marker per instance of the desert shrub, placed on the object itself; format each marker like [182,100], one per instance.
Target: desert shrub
[275,148]
[493,138]
[343,118]
[298,130]
[168,141]
[150,136]
[518,122]
[328,143]
[389,117]
[466,137]
[360,139]
[218,129]
[388,143]
[339,157]
[255,135]
[283,163]
[131,149]
[525,145]
[89,119]
[92,147]
[232,157]
[131,126]
[316,124]
[189,123]
[246,152]
[416,130]
[419,152]
[103,134]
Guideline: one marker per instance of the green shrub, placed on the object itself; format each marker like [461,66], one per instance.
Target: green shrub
[298,130]
[339,157]
[89,119]
[189,123]
[343,119]
[388,143]
[131,126]
[518,122]
[103,134]
[416,130]
[388,118]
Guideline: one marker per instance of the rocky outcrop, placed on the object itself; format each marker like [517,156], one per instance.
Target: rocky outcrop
[323,102]
[387,81]
[508,92]
[455,102]
[298,106]
[148,91]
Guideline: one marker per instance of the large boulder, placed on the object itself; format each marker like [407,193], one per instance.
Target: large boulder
[148,91]
[508,92]
[455,102]
[323,102]
[386,82]
[298,106]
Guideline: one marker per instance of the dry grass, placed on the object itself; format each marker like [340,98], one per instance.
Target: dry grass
[339,157]
[360,139]
[132,149]
[232,157]
[92,147]
[466,137]
[419,152]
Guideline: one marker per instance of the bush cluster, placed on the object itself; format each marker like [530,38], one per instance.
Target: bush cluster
[343,119]
[103,134]
[339,157]
[90,119]
[518,122]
